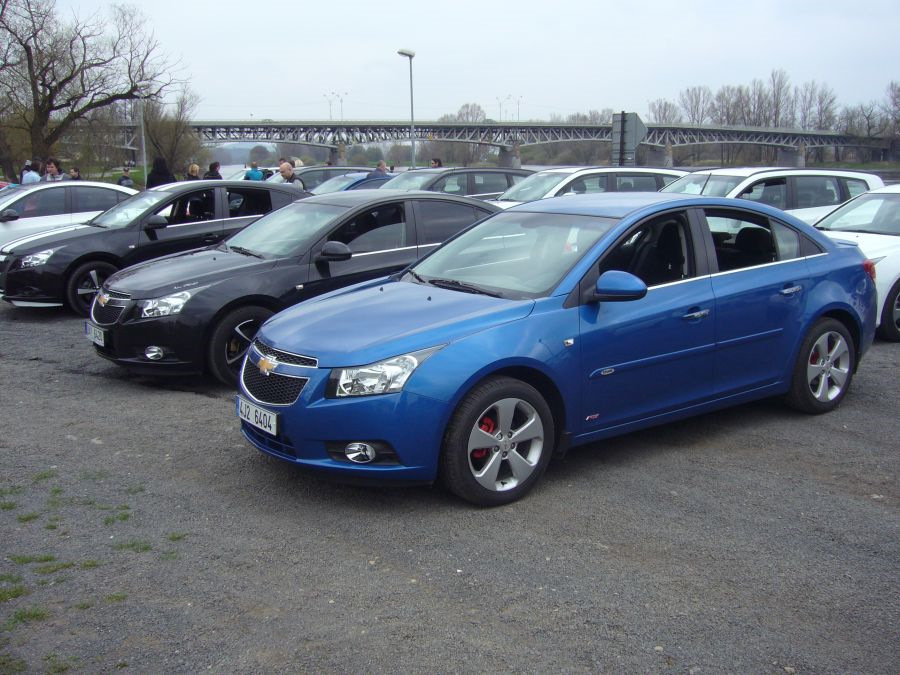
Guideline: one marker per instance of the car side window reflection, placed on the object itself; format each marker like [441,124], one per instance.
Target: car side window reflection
[772,192]
[746,240]
[585,185]
[658,252]
[190,208]
[41,203]
[378,229]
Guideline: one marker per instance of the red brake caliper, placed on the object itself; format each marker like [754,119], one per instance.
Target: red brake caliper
[487,426]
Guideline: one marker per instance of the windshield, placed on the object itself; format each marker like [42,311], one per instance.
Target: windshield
[707,184]
[337,183]
[288,231]
[878,213]
[514,255]
[124,213]
[10,192]
[533,187]
[411,180]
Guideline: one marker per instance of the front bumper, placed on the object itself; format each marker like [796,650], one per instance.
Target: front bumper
[313,430]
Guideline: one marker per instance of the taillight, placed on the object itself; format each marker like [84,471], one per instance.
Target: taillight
[869,266]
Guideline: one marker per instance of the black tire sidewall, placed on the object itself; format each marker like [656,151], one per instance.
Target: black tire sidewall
[218,367]
[454,471]
[74,280]
[887,329]
[799,395]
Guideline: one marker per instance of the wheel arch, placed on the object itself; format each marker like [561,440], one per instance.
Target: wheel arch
[852,325]
[264,301]
[95,256]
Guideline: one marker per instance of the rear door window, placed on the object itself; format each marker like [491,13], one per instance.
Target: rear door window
[746,240]
[772,191]
[93,198]
[379,229]
[584,185]
[812,191]
[244,202]
[437,221]
[641,182]
[488,182]
[454,184]
[41,203]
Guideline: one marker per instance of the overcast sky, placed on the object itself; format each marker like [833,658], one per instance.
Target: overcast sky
[281,59]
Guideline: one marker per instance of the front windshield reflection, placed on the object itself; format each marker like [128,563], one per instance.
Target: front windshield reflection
[533,187]
[411,180]
[703,184]
[288,231]
[878,213]
[516,255]
[124,213]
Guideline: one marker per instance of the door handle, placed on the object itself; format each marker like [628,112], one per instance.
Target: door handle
[790,290]
[699,314]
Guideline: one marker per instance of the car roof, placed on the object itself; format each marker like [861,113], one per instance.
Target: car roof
[747,171]
[567,170]
[213,182]
[889,189]
[448,169]
[353,198]
[606,204]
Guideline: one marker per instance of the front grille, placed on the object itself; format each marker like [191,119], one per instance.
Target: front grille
[273,389]
[117,295]
[105,315]
[285,357]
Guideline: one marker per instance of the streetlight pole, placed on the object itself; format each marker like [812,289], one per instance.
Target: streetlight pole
[409,53]
[500,104]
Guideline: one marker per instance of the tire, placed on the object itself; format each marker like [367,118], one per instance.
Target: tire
[230,340]
[517,427]
[824,368]
[84,283]
[890,315]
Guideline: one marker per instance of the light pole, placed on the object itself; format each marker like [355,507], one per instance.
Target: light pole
[500,104]
[334,96]
[409,53]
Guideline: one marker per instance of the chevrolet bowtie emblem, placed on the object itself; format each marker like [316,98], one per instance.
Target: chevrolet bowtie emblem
[266,365]
[102,299]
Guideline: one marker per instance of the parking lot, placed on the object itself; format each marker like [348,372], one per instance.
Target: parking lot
[140,531]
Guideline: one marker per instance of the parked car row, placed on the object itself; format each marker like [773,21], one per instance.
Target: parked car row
[419,335]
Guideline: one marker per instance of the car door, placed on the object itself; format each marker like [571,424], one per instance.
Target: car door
[760,283]
[381,239]
[193,219]
[646,357]
[487,184]
[90,200]
[245,204]
[39,210]
[437,220]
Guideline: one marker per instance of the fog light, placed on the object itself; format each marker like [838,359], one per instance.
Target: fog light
[154,353]
[361,453]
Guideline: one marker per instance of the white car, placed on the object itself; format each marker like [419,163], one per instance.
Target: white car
[25,209]
[807,194]
[872,220]
[585,180]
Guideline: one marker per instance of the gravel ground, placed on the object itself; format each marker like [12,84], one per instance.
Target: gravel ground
[139,531]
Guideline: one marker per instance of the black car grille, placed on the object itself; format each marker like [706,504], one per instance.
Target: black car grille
[273,389]
[116,295]
[105,315]
[285,357]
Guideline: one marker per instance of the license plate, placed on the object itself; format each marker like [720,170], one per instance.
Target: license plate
[94,333]
[258,417]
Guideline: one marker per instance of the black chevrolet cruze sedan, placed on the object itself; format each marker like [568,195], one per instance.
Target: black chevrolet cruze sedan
[199,311]
[67,265]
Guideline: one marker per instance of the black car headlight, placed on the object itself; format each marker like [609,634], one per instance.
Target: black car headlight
[166,305]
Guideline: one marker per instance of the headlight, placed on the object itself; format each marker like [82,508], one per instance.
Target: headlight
[383,377]
[35,259]
[170,304]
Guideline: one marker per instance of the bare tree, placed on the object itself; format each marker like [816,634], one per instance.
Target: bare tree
[663,111]
[826,108]
[696,104]
[891,108]
[781,99]
[805,101]
[169,131]
[60,71]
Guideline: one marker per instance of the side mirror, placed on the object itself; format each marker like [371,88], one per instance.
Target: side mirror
[155,222]
[9,214]
[618,286]
[334,251]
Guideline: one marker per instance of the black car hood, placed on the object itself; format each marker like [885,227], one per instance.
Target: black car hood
[182,271]
[52,238]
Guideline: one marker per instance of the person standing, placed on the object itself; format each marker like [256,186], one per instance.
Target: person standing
[253,173]
[287,173]
[31,172]
[213,173]
[75,173]
[379,170]
[193,173]
[54,171]
[160,174]
[125,180]
[436,163]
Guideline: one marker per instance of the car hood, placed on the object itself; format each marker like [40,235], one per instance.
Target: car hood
[377,322]
[14,230]
[872,245]
[46,237]
[183,270]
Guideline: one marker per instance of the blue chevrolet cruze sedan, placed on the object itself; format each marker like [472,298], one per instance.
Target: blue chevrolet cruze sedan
[557,323]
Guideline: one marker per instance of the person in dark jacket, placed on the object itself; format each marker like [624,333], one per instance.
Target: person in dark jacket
[213,172]
[160,174]
[75,173]
[287,173]
[193,173]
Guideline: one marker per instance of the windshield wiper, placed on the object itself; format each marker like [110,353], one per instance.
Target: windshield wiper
[460,286]
[245,251]
[416,277]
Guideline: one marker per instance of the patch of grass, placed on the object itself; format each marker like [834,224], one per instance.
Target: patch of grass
[103,507]
[12,592]
[54,502]
[8,664]
[58,665]
[56,491]
[50,526]
[27,615]
[121,517]
[6,492]
[168,555]
[44,475]
[10,578]
[176,536]
[7,506]
[134,489]
[94,475]
[116,597]
[84,501]
[121,664]
[134,545]
[28,517]
[84,604]
[25,559]
[90,564]
[123,507]
[53,568]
